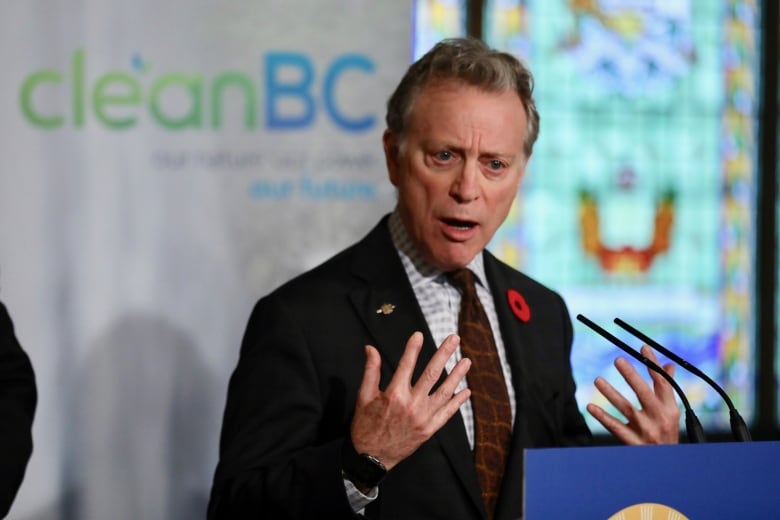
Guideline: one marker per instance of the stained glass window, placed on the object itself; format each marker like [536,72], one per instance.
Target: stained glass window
[638,202]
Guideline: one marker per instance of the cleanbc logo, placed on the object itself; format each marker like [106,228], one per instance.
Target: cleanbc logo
[120,100]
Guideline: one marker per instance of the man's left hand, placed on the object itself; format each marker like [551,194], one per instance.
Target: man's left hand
[658,419]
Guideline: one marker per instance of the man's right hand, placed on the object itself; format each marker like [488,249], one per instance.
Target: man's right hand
[391,425]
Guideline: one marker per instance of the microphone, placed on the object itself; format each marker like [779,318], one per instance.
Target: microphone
[692,424]
[738,427]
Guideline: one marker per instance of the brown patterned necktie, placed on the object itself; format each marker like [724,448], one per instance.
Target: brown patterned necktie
[489,398]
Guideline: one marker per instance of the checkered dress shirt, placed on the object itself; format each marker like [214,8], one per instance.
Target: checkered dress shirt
[440,304]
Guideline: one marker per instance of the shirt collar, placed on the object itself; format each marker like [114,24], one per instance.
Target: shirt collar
[413,261]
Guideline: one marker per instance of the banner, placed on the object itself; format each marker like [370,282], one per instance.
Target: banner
[164,165]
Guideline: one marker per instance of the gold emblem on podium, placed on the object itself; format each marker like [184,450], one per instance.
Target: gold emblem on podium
[648,511]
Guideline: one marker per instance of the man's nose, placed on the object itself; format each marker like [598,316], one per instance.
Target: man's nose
[465,186]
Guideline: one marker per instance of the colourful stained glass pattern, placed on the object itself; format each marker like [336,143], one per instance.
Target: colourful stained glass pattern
[434,20]
[638,202]
[507,26]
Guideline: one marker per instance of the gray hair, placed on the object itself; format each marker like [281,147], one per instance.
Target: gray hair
[471,62]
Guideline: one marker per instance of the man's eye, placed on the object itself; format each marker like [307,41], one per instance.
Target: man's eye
[495,164]
[444,155]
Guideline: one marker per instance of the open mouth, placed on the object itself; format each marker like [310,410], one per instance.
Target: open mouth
[459,224]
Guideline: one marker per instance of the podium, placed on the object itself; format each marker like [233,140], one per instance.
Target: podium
[695,481]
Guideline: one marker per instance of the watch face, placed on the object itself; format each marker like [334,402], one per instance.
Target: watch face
[364,471]
[371,471]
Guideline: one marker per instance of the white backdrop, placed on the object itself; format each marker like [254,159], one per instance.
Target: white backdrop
[164,164]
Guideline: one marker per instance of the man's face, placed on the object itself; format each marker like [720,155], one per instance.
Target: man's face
[457,170]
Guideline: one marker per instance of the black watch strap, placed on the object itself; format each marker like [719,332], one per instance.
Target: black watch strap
[363,470]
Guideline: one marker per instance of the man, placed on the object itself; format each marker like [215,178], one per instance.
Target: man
[18,398]
[342,403]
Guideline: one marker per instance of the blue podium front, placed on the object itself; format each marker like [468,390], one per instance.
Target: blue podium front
[686,481]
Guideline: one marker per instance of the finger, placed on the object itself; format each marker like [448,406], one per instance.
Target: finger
[450,384]
[445,413]
[637,383]
[403,374]
[369,385]
[669,368]
[617,399]
[613,425]
[649,353]
[433,370]
[663,390]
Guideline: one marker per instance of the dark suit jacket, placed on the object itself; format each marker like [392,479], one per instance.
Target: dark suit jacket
[292,395]
[17,406]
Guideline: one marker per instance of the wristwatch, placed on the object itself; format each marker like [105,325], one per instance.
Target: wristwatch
[365,471]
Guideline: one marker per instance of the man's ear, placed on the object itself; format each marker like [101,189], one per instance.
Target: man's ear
[392,155]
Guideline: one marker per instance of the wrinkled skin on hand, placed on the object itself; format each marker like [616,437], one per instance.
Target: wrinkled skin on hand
[391,424]
[658,419]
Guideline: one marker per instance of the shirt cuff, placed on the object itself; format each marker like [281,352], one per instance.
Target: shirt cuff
[358,500]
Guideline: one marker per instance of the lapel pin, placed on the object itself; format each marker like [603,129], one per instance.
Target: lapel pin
[386,308]
[519,306]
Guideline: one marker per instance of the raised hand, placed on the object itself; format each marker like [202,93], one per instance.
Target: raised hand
[391,425]
[658,419]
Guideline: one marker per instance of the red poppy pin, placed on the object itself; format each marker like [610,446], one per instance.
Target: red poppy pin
[519,306]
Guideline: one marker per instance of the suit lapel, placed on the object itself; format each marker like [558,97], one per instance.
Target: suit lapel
[385,301]
[376,262]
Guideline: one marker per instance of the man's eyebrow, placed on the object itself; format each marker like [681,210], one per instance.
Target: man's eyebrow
[441,144]
[501,155]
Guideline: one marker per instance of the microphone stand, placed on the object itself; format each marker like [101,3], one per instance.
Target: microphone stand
[739,429]
[692,425]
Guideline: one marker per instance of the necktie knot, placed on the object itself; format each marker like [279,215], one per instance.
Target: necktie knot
[464,280]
